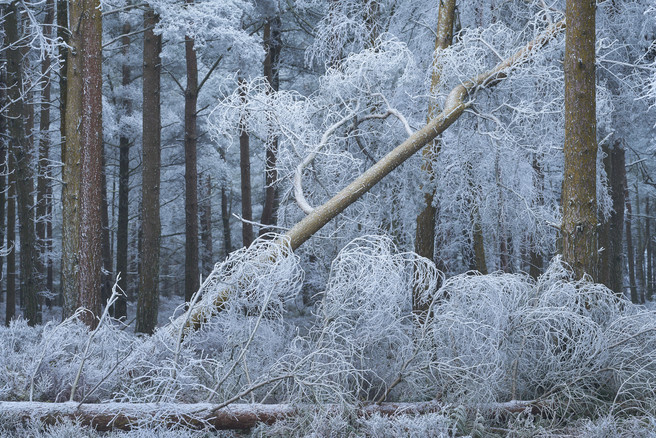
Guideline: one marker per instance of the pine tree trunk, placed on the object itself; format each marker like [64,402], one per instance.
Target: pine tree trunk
[43,173]
[4,165]
[225,219]
[119,309]
[192,281]
[207,259]
[10,311]
[650,268]
[616,229]
[24,177]
[579,198]
[149,249]
[245,167]
[640,252]
[273,45]
[64,35]
[82,218]
[630,254]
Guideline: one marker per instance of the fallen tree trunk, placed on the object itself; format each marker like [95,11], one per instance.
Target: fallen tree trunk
[454,106]
[126,416]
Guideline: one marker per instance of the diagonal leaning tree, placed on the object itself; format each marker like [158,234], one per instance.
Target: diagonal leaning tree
[456,103]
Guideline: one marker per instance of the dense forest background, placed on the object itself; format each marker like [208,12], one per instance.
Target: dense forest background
[497,260]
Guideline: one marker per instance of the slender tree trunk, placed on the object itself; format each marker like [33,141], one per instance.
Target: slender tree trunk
[64,35]
[207,258]
[536,262]
[616,229]
[107,277]
[120,307]
[148,302]
[10,312]
[579,198]
[192,280]
[245,166]
[630,254]
[24,181]
[273,45]
[225,219]
[4,164]
[425,232]
[603,272]
[650,271]
[43,173]
[640,252]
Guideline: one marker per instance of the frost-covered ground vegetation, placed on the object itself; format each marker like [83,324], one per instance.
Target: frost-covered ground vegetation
[579,359]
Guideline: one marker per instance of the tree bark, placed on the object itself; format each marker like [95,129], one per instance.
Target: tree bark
[65,269]
[192,281]
[629,245]
[579,198]
[650,271]
[119,310]
[640,251]
[82,228]
[24,177]
[273,46]
[616,221]
[207,259]
[43,172]
[125,416]
[245,167]
[425,232]
[148,301]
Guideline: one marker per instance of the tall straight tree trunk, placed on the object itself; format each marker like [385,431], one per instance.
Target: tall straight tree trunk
[640,252]
[536,262]
[630,254]
[616,229]
[82,226]
[192,280]
[24,180]
[206,225]
[43,173]
[426,220]
[650,271]
[64,35]
[245,167]
[149,250]
[273,45]
[425,234]
[603,272]
[10,311]
[4,164]
[119,310]
[107,263]
[579,198]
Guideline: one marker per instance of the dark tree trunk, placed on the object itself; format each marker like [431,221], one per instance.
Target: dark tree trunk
[43,174]
[603,272]
[225,219]
[192,280]
[24,180]
[650,268]
[119,309]
[536,262]
[10,312]
[64,35]
[273,45]
[207,258]
[4,165]
[149,250]
[579,198]
[616,221]
[630,254]
[245,166]
[640,252]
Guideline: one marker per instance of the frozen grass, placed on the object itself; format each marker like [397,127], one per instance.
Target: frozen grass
[584,356]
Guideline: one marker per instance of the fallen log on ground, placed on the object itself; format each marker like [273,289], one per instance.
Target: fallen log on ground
[126,416]
[454,107]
